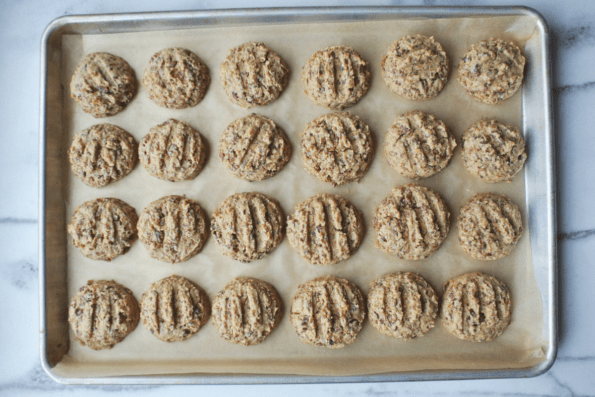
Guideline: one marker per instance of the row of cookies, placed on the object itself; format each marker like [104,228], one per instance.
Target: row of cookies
[326,311]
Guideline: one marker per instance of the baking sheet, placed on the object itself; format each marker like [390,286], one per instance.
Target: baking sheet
[520,346]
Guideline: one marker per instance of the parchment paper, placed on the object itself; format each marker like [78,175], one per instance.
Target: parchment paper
[282,352]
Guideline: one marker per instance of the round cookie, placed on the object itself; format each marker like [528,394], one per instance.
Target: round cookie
[174,308]
[412,222]
[172,151]
[415,67]
[254,148]
[102,154]
[102,313]
[328,311]
[247,311]
[337,148]
[418,145]
[490,226]
[336,77]
[247,226]
[402,305]
[176,78]
[253,75]
[103,84]
[103,228]
[172,229]
[493,151]
[325,229]
[492,70]
[476,307]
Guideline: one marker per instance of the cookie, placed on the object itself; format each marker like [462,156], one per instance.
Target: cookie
[102,154]
[325,229]
[103,228]
[418,145]
[492,70]
[103,84]
[337,148]
[253,75]
[402,305]
[336,77]
[493,151]
[490,226]
[172,151]
[176,78]
[174,308]
[247,311]
[102,313]
[328,311]
[415,67]
[172,229]
[254,148]
[247,226]
[476,307]
[412,222]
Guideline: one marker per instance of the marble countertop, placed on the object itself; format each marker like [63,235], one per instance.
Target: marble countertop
[572,30]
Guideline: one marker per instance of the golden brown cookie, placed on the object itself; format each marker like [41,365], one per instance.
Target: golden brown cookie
[490,225]
[328,311]
[103,84]
[102,313]
[325,229]
[402,305]
[253,75]
[172,229]
[103,228]
[247,311]
[254,148]
[337,148]
[174,308]
[476,307]
[492,70]
[418,145]
[493,151]
[412,222]
[336,77]
[176,78]
[415,67]
[172,151]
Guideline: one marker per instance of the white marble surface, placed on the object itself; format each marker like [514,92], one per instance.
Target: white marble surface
[572,25]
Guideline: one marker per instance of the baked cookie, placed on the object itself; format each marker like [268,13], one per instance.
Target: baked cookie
[254,148]
[102,154]
[247,311]
[173,229]
[102,313]
[103,84]
[328,311]
[336,77]
[253,75]
[402,305]
[172,151]
[325,229]
[103,228]
[418,145]
[247,226]
[490,226]
[337,148]
[476,307]
[176,78]
[492,70]
[493,151]
[415,67]
[174,308]
[412,222]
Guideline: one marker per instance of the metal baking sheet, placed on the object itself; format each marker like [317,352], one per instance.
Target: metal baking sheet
[539,172]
